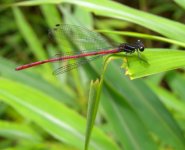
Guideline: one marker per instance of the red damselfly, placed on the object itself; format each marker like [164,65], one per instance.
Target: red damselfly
[92,43]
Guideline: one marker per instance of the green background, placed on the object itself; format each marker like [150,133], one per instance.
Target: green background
[40,111]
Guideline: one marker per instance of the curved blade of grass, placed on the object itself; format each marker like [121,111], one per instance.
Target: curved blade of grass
[155,61]
[52,116]
[166,27]
[92,110]
[94,98]
[18,131]
[144,36]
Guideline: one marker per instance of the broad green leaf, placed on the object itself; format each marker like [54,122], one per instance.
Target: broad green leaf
[154,61]
[54,117]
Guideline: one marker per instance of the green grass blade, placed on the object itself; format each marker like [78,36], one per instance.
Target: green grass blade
[144,36]
[94,98]
[92,111]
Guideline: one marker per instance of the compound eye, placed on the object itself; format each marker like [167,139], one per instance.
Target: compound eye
[141,48]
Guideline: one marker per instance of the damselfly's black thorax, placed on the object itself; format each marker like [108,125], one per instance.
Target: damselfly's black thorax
[127,48]
[131,48]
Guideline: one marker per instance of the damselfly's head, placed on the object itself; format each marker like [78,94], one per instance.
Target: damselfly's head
[140,46]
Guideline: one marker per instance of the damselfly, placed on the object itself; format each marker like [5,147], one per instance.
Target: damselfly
[92,43]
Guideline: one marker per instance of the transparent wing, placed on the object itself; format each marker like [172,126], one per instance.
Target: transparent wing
[80,36]
[65,68]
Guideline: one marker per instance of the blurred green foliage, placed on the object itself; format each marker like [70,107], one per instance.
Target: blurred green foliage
[40,111]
